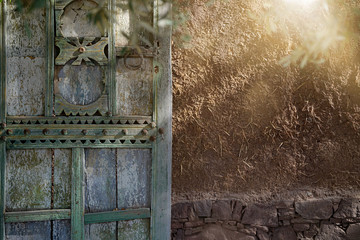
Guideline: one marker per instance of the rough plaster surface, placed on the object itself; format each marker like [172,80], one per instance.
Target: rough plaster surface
[244,124]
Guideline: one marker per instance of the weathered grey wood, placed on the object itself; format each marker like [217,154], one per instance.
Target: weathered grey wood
[61,230]
[100,231]
[28,179]
[100,180]
[138,229]
[74,22]
[2,188]
[28,231]
[134,184]
[79,85]
[62,178]
[26,62]
[162,151]
[2,75]
[134,87]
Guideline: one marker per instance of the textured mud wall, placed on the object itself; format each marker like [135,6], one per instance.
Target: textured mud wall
[244,124]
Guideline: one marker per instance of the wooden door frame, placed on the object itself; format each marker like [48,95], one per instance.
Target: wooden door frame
[160,211]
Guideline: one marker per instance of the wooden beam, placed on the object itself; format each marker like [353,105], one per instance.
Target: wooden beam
[49,58]
[115,216]
[34,216]
[2,188]
[77,194]
[161,170]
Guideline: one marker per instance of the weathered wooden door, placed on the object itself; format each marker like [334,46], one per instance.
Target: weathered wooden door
[85,132]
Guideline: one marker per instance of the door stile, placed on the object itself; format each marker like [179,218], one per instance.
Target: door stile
[2,65]
[77,194]
[49,58]
[161,171]
[112,61]
[2,188]
[2,120]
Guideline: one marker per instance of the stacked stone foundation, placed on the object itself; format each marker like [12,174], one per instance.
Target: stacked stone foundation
[317,219]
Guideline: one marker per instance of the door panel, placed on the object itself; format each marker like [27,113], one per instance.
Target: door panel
[25,43]
[100,180]
[134,229]
[133,175]
[134,87]
[28,177]
[100,231]
[28,231]
[62,178]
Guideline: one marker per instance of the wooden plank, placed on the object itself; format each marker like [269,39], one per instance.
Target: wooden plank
[28,178]
[117,120]
[134,174]
[25,44]
[162,151]
[2,188]
[138,229]
[88,144]
[61,230]
[112,62]
[134,87]
[100,180]
[113,216]
[50,56]
[62,178]
[100,231]
[34,216]
[28,231]
[2,66]
[77,194]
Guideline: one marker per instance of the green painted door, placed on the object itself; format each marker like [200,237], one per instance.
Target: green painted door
[85,120]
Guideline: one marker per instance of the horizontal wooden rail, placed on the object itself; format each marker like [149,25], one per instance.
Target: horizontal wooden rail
[115,216]
[62,214]
[40,215]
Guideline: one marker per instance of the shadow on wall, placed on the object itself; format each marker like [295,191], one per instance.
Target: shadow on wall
[244,123]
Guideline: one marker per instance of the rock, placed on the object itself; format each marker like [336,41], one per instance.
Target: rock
[348,208]
[310,233]
[314,209]
[193,224]
[237,212]
[353,232]
[176,225]
[221,210]
[263,235]
[284,233]
[248,231]
[300,227]
[330,232]
[286,213]
[203,208]
[217,232]
[210,220]
[180,235]
[259,215]
[182,210]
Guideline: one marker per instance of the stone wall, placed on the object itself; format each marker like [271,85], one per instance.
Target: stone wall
[318,219]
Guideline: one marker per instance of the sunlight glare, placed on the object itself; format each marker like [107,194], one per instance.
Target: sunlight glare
[301,2]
